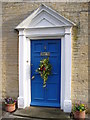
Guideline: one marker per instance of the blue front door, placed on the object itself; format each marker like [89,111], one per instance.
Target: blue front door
[50,95]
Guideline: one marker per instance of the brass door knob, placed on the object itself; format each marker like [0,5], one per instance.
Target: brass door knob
[32,77]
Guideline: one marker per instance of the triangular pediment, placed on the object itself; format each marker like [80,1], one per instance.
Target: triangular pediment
[44,22]
[44,17]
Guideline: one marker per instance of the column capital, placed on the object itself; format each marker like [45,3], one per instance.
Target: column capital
[68,30]
[21,32]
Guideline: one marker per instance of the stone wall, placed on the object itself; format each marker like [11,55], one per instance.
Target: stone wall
[0,51]
[14,13]
[89,57]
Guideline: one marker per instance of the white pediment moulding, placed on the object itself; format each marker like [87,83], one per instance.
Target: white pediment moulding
[44,17]
[44,23]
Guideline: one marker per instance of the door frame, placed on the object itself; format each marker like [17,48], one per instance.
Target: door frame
[51,25]
[25,63]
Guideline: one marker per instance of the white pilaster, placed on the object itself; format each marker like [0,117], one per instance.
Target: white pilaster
[62,71]
[67,99]
[22,69]
[28,73]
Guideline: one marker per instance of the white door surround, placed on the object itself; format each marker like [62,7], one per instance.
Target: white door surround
[44,23]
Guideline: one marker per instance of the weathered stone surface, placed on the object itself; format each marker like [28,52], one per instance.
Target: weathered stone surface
[89,57]
[42,113]
[15,12]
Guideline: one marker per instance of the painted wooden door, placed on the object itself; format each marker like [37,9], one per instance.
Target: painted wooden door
[50,95]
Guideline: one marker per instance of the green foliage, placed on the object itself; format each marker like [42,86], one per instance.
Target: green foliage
[44,70]
[79,107]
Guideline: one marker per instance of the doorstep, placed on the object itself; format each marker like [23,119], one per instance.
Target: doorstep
[34,113]
[42,113]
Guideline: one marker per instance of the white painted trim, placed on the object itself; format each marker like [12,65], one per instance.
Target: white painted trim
[28,79]
[43,32]
[62,71]
[24,80]
[45,9]
[67,99]
[25,35]
[22,73]
[30,69]
[65,85]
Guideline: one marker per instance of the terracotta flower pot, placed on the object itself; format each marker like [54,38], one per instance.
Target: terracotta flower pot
[10,107]
[79,114]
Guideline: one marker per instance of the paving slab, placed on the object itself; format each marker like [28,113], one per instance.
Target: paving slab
[42,113]
[38,113]
[10,116]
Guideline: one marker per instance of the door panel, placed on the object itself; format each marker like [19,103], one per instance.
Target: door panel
[52,88]
[38,94]
[50,95]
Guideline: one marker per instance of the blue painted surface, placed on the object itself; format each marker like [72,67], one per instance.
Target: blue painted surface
[50,95]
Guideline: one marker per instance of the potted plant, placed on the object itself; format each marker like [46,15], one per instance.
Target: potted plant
[10,104]
[79,110]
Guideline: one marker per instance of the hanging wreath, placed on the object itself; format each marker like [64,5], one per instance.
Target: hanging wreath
[44,70]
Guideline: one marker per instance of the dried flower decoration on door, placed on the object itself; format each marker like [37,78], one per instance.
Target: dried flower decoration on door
[44,70]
